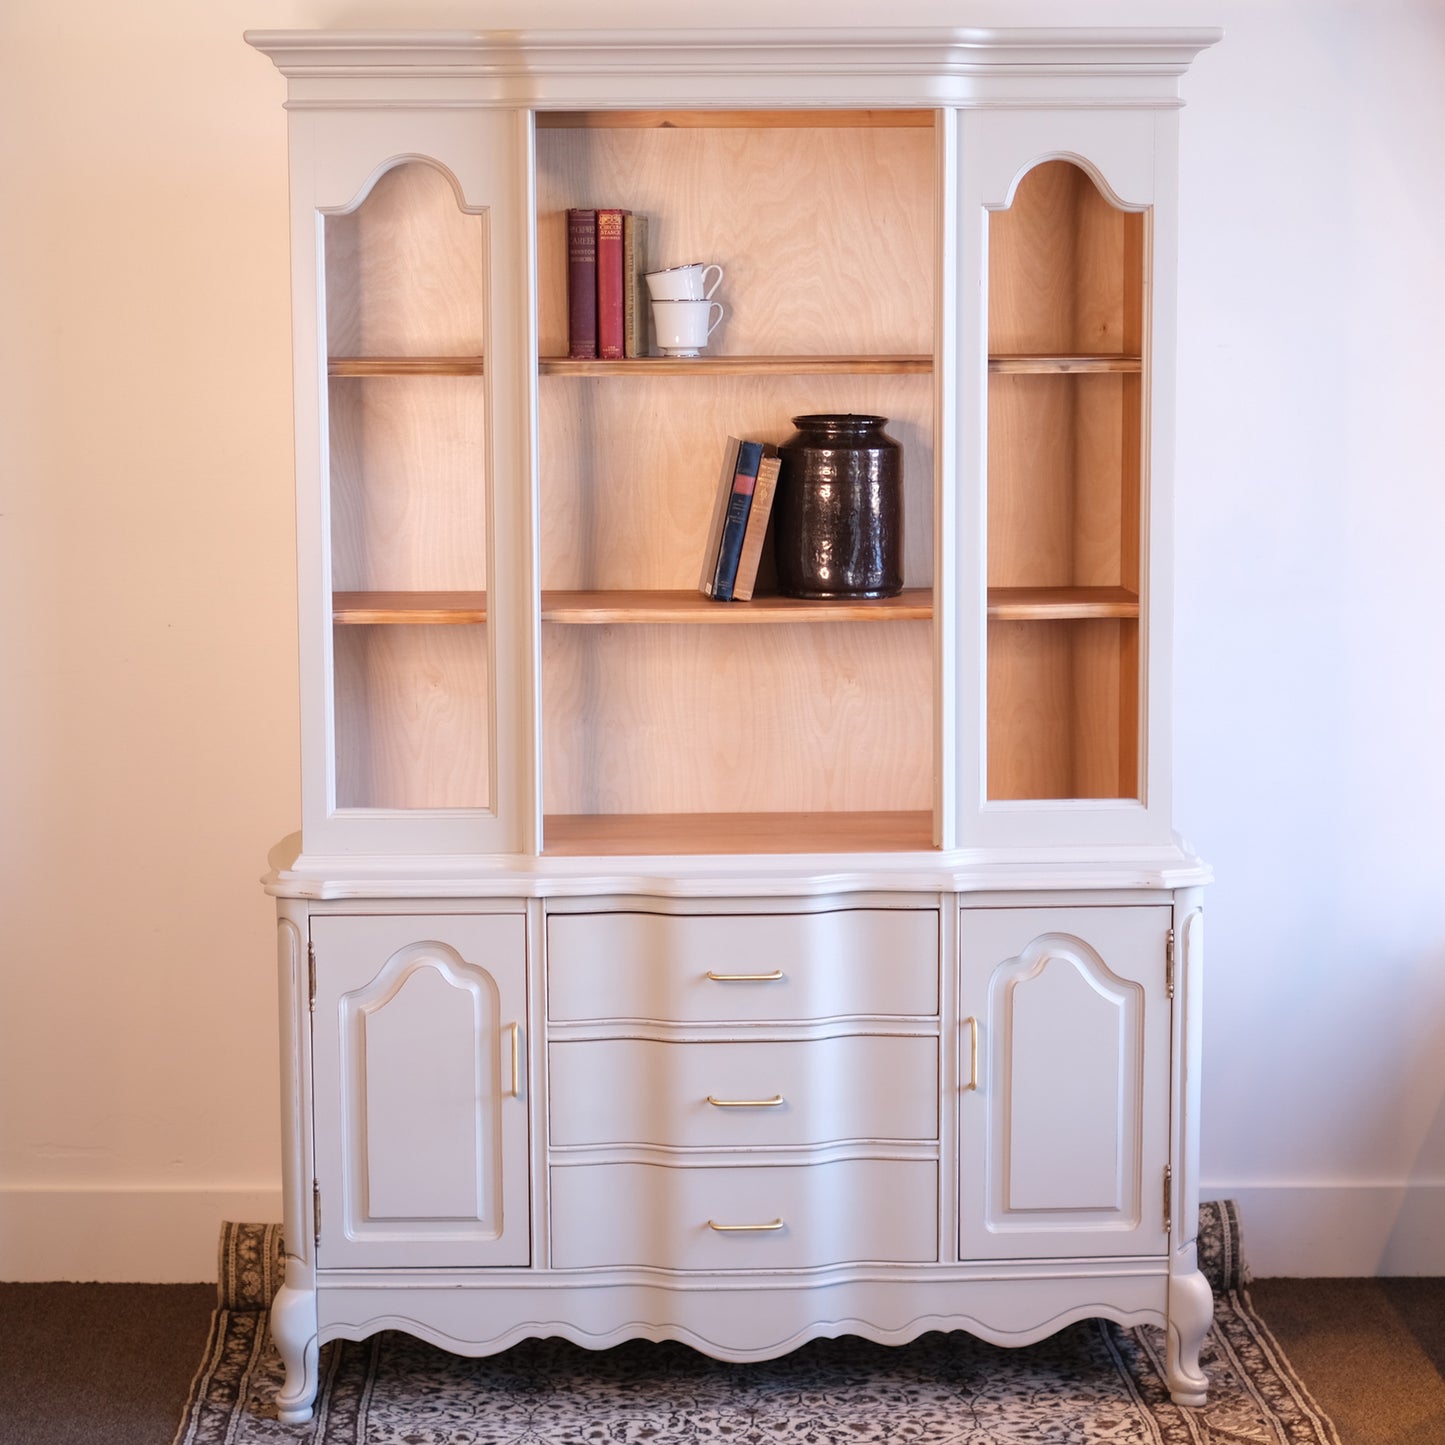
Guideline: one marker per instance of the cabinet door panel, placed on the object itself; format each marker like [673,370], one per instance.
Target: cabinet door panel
[1066,1137]
[421,1154]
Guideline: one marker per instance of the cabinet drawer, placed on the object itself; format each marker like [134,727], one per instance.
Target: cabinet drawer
[744,1095]
[771,1216]
[713,968]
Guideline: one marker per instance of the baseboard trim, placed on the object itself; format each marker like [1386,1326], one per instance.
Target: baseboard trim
[122,1236]
[1340,1230]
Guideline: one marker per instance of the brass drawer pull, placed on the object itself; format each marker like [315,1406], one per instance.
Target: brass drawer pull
[745,1103]
[772,977]
[515,1030]
[743,1228]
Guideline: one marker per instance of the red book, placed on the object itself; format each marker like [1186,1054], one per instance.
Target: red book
[581,284]
[611,328]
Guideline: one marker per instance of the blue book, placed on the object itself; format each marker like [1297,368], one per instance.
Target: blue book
[735,522]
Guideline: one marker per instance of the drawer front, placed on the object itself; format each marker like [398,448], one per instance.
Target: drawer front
[743,1095]
[715,968]
[745,1217]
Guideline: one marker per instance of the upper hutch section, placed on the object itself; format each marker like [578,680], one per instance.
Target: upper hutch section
[504,650]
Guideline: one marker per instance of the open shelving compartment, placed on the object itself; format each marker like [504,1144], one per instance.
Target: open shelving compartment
[672,723]
[1066,417]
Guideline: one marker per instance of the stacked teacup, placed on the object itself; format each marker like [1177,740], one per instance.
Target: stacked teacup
[684,314]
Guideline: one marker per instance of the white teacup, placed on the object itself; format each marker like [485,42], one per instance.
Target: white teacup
[684,283]
[682,328]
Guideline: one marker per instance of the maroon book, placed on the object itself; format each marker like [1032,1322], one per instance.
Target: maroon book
[611,327]
[581,284]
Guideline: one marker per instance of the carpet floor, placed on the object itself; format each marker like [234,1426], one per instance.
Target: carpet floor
[1092,1382]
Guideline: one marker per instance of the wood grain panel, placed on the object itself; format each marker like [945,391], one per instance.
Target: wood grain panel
[577,835]
[1063,468]
[408,484]
[1065,268]
[406,271]
[1063,709]
[630,467]
[737,719]
[411,717]
[825,235]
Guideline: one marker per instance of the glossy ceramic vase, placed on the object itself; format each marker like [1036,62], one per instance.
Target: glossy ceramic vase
[838,511]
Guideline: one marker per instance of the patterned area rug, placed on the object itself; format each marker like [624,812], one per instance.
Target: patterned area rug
[1093,1383]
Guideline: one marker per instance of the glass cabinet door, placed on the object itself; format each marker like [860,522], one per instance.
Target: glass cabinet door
[1065,436]
[412,321]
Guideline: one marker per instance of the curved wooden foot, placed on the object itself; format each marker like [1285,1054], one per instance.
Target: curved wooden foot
[1191,1310]
[293,1327]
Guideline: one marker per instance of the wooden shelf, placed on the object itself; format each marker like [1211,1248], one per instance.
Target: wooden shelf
[408,608]
[405,366]
[914,604]
[741,366]
[582,835]
[1065,365]
[596,608]
[1060,604]
[815,118]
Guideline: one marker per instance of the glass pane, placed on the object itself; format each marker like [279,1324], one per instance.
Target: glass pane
[1065,491]
[410,500]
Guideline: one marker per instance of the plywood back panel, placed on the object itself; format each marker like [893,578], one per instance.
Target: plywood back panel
[656,719]
[406,270]
[1063,703]
[408,484]
[1064,268]
[825,235]
[411,717]
[630,466]
[1063,466]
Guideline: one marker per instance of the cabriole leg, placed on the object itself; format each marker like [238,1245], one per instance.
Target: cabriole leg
[1191,1310]
[293,1327]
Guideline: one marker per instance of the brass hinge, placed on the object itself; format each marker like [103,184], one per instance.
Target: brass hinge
[316,1206]
[311,975]
[1169,963]
[1168,1199]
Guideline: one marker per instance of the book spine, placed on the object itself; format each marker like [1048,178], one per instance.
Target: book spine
[719,512]
[752,554]
[581,284]
[610,343]
[634,262]
[750,456]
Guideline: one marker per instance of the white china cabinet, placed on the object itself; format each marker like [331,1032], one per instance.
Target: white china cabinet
[735,973]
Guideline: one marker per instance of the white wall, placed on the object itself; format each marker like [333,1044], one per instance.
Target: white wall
[148,676]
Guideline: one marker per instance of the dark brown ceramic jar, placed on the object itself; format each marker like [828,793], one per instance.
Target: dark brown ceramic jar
[838,512]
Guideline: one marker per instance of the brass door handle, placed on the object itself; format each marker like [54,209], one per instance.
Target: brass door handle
[515,1029]
[744,1228]
[772,977]
[972,1053]
[745,1103]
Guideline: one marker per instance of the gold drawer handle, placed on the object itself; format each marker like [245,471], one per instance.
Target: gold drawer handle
[743,1228]
[745,1103]
[772,977]
[515,1030]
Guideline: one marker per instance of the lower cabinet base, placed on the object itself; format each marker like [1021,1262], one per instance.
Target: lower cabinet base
[740,1318]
